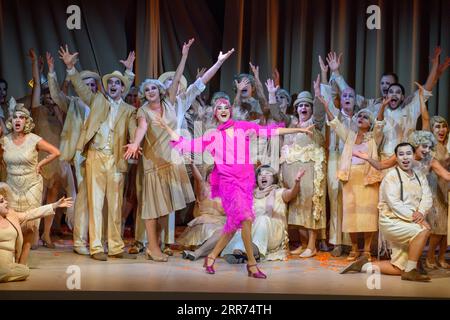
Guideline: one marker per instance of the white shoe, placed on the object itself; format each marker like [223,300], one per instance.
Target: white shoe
[308,253]
[82,250]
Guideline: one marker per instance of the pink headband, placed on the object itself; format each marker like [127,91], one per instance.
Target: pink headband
[222,101]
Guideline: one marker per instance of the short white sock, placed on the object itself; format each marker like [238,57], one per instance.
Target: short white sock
[366,266]
[410,265]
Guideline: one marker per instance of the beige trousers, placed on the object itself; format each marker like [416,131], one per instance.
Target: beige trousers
[81,217]
[103,179]
[337,237]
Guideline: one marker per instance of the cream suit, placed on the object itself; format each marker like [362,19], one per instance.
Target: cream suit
[105,164]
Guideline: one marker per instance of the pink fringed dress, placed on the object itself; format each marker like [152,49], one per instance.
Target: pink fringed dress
[233,176]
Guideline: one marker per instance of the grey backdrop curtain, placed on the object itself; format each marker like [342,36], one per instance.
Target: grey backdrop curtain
[287,34]
[101,42]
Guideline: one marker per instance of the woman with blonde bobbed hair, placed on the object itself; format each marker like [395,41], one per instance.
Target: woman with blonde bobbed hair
[11,237]
[20,150]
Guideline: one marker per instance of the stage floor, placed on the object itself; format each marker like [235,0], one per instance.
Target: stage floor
[181,279]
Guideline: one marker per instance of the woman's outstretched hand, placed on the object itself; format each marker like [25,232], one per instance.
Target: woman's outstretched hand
[63,203]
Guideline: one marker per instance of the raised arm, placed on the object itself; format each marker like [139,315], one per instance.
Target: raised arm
[423,110]
[199,182]
[318,107]
[323,70]
[128,64]
[239,87]
[334,62]
[274,106]
[55,92]
[378,127]
[384,104]
[276,77]
[441,68]
[53,153]
[260,90]
[36,92]
[290,194]
[432,79]
[440,170]
[83,91]
[173,89]
[212,71]
[326,105]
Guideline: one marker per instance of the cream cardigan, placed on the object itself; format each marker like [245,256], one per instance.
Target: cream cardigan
[374,139]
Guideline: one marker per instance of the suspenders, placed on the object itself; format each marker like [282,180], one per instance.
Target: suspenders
[401,182]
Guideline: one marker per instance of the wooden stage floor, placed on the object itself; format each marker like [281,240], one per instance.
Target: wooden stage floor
[180,279]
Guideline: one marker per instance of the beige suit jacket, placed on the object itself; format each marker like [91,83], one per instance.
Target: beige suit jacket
[124,124]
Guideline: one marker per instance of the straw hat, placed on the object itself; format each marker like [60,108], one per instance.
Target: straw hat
[118,75]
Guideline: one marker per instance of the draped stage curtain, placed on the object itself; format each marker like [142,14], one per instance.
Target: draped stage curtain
[286,34]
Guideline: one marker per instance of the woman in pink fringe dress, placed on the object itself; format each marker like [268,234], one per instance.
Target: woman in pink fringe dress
[233,177]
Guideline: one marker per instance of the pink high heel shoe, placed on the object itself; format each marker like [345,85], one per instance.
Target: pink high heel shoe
[209,269]
[258,274]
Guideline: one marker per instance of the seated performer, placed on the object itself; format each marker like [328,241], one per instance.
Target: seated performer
[405,199]
[269,232]
[206,228]
[11,237]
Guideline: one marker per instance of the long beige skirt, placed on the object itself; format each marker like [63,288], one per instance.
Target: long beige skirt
[359,203]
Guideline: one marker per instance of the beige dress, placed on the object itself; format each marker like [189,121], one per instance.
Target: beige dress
[302,152]
[360,200]
[25,183]
[439,188]
[209,218]
[49,124]
[166,186]
[269,230]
